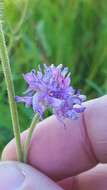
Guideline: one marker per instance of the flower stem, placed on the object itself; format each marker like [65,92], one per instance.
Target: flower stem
[35,120]
[10,89]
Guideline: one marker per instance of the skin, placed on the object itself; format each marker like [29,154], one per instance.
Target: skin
[69,155]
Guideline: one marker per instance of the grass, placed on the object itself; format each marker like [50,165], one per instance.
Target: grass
[70,32]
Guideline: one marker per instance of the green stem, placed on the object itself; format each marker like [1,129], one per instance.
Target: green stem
[10,88]
[21,21]
[27,142]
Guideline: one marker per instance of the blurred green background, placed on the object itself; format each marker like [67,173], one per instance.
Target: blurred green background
[68,32]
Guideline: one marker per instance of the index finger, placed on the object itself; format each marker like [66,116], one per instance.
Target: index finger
[62,152]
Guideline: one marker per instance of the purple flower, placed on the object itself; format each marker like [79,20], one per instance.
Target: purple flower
[50,88]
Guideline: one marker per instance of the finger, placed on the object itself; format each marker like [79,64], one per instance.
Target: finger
[95,179]
[62,152]
[14,175]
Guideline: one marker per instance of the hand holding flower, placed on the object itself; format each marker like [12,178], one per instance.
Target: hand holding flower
[61,153]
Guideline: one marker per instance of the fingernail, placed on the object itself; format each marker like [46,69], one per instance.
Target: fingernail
[11,177]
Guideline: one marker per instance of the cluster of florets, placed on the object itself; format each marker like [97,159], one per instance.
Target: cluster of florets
[50,88]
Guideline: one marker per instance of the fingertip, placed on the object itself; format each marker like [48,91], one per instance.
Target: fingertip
[9,152]
[10,176]
[16,175]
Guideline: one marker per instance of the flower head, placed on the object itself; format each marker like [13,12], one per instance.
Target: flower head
[50,88]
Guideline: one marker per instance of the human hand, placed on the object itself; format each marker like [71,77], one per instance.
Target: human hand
[67,152]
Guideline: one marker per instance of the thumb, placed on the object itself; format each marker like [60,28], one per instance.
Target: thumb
[19,176]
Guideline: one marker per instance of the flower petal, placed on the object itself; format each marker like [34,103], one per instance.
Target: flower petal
[26,99]
[37,107]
